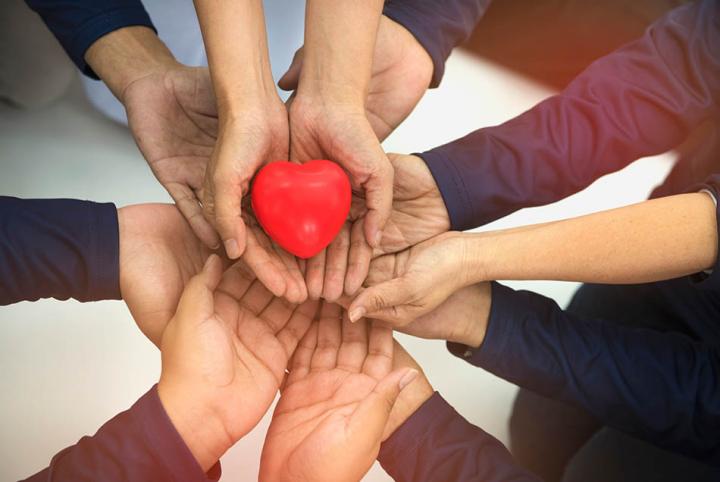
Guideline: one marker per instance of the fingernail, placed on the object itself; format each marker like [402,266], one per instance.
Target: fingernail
[232,249]
[356,314]
[407,378]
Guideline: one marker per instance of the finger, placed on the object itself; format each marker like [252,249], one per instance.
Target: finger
[354,345]
[378,195]
[303,355]
[379,360]
[381,269]
[197,301]
[385,296]
[296,291]
[314,274]
[228,221]
[371,415]
[265,266]
[191,209]
[328,338]
[336,263]
[358,260]
[294,330]
[289,80]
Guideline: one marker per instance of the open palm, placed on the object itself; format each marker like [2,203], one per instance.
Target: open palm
[237,350]
[330,419]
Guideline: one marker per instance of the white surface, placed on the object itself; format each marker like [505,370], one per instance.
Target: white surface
[66,368]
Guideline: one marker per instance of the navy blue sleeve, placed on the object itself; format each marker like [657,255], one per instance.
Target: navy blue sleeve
[660,387]
[77,24]
[58,248]
[436,443]
[641,100]
[439,25]
[139,445]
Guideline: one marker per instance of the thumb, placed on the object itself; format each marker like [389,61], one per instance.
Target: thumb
[382,297]
[290,79]
[372,414]
[197,302]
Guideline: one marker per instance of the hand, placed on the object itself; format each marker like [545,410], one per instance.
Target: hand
[401,73]
[159,254]
[418,214]
[258,136]
[224,355]
[412,283]
[340,391]
[411,397]
[173,118]
[462,318]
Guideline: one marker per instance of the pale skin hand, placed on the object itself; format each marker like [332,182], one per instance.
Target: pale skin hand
[650,241]
[336,403]
[224,355]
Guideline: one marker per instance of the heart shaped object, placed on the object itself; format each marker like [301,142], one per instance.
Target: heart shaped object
[302,206]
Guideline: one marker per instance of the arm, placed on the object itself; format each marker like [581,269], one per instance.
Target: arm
[661,387]
[639,101]
[58,248]
[651,241]
[428,440]
[140,444]
[655,240]
[438,26]
[77,24]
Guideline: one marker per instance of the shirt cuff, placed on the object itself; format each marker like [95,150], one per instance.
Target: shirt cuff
[505,310]
[101,25]
[402,446]
[163,439]
[452,188]
[103,275]
[710,279]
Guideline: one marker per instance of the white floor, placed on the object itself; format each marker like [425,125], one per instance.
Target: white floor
[65,368]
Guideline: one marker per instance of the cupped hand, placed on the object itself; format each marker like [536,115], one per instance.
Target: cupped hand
[173,118]
[335,405]
[411,283]
[224,355]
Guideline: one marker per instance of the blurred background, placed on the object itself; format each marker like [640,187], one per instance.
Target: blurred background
[66,367]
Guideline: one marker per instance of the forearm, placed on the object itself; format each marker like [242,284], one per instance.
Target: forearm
[658,386]
[655,240]
[236,45]
[126,55]
[140,444]
[58,248]
[339,44]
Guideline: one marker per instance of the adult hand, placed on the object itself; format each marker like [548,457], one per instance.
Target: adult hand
[335,406]
[159,254]
[418,213]
[224,355]
[413,282]
[401,73]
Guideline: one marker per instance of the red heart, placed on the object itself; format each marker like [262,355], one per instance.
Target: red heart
[302,206]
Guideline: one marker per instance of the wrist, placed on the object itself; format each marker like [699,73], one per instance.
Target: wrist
[473,333]
[201,430]
[127,55]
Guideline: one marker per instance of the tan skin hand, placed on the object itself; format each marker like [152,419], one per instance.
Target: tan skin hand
[335,406]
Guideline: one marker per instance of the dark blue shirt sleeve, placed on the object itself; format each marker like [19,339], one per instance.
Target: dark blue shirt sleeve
[641,100]
[77,24]
[58,248]
[139,445]
[661,387]
[439,26]
[437,443]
